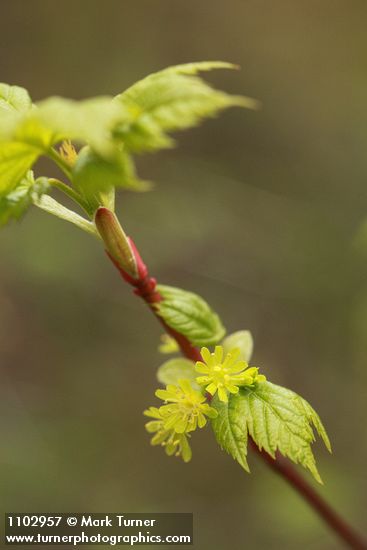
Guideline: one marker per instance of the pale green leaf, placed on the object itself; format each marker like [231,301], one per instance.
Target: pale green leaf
[172,99]
[16,159]
[50,205]
[230,428]
[197,67]
[55,119]
[242,339]
[14,98]
[315,420]
[14,204]
[190,315]
[279,419]
[92,173]
[177,369]
[168,345]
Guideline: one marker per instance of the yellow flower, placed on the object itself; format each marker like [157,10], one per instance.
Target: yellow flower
[174,443]
[226,375]
[186,408]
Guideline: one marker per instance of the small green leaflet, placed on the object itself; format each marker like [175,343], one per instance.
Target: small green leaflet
[190,315]
[242,339]
[14,204]
[14,98]
[168,345]
[276,418]
[172,99]
[177,369]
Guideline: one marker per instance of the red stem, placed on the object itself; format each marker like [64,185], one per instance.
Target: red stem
[145,287]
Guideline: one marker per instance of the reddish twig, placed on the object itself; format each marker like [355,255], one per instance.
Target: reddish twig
[145,287]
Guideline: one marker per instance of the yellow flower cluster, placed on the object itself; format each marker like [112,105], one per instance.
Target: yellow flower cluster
[185,410]
[225,375]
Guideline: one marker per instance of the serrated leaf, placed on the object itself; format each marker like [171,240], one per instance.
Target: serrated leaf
[315,420]
[15,160]
[170,372]
[14,98]
[278,419]
[230,428]
[242,339]
[190,315]
[172,99]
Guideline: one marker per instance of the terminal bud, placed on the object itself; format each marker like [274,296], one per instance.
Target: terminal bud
[116,242]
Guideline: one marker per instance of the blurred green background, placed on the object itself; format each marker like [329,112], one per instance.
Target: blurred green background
[256,211]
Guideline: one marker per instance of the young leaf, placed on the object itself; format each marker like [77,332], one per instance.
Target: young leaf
[230,428]
[53,207]
[168,345]
[14,205]
[276,418]
[172,99]
[14,98]
[279,419]
[15,160]
[92,173]
[56,119]
[177,369]
[315,420]
[190,315]
[242,339]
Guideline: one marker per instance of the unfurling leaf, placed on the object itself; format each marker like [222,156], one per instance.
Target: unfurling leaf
[190,315]
[242,339]
[172,99]
[177,369]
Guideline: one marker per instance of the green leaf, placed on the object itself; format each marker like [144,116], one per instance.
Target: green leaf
[190,315]
[315,420]
[14,98]
[168,344]
[50,205]
[279,419]
[242,339]
[14,205]
[55,119]
[230,428]
[15,160]
[276,418]
[177,369]
[93,174]
[172,99]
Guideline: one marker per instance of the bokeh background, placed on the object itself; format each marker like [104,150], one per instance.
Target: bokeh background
[260,212]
